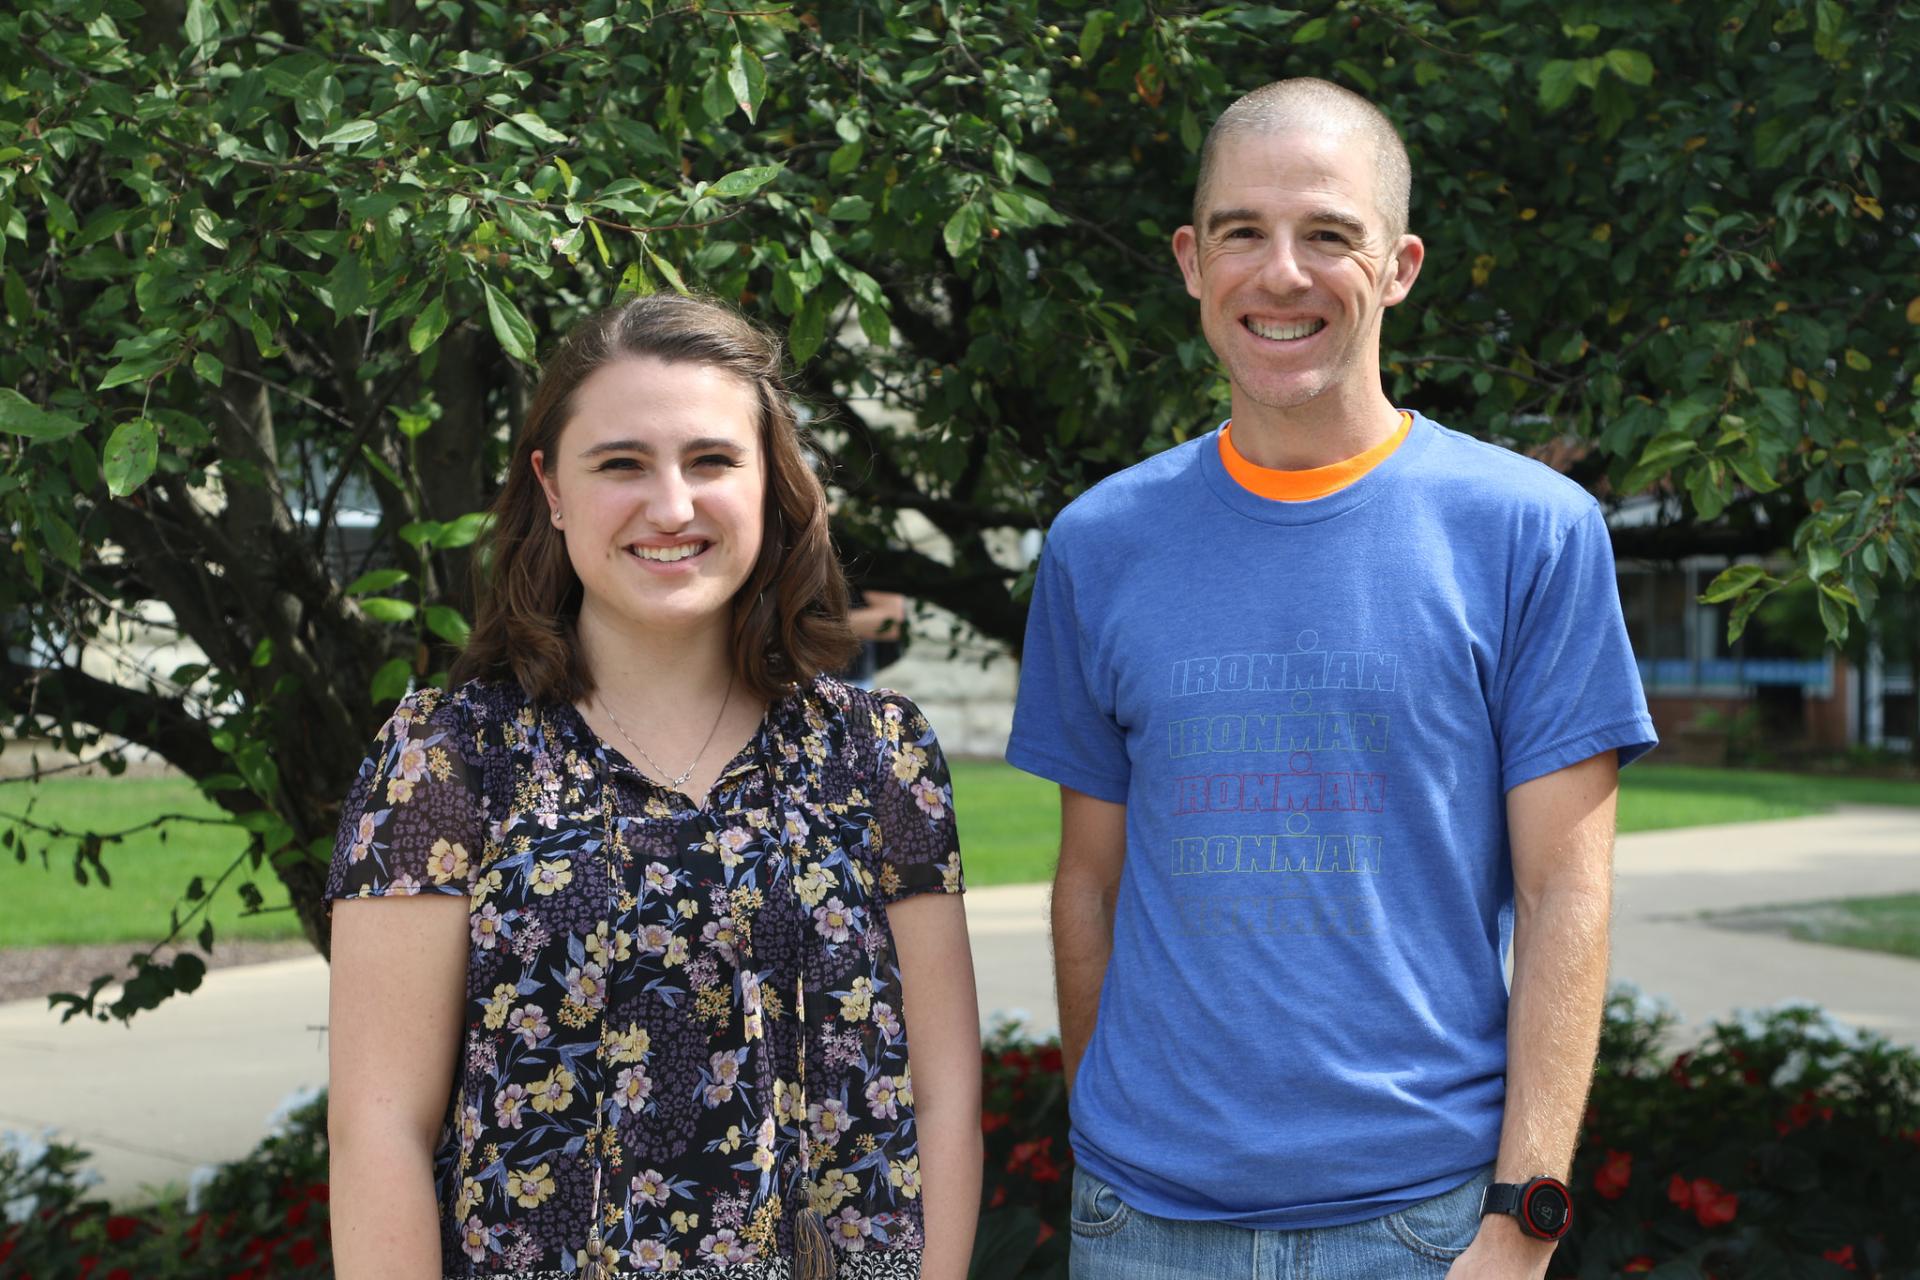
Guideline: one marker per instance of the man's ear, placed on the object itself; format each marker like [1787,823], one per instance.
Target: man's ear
[1404,269]
[1186,251]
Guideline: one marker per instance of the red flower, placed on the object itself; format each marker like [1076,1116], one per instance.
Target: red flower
[296,1214]
[119,1273]
[87,1264]
[303,1254]
[999,1197]
[1842,1258]
[8,1245]
[991,1120]
[1680,1191]
[1712,1205]
[1035,1159]
[1051,1060]
[1641,1263]
[1046,1233]
[121,1228]
[1611,1178]
[1678,1072]
[317,1191]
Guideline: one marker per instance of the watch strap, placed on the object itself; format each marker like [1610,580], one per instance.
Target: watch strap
[1502,1197]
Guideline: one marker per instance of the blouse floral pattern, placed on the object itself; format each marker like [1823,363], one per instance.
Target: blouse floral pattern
[640,969]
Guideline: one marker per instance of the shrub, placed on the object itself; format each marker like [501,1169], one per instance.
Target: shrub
[1780,1145]
[261,1216]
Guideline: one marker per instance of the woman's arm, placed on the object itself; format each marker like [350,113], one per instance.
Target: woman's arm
[398,982]
[942,1016]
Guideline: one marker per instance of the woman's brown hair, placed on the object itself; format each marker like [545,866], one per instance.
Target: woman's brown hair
[789,617]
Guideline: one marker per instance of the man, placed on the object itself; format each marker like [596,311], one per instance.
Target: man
[1336,698]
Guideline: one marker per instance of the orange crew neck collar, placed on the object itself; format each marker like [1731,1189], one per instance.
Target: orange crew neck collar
[1316,482]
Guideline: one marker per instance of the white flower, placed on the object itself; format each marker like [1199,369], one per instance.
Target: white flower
[282,1115]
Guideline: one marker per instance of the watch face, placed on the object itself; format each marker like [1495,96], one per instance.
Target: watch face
[1546,1209]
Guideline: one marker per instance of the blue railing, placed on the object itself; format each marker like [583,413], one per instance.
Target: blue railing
[1720,673]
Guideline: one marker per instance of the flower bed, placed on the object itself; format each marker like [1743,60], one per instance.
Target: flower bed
[1779,1146]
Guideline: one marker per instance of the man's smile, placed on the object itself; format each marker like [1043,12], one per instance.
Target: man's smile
[1288,331]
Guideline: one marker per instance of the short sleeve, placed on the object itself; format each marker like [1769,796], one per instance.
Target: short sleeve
[1569,687]
[916,842]
[1063,729]
[414,821]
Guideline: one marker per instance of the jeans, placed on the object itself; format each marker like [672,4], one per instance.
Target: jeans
[1114,1242]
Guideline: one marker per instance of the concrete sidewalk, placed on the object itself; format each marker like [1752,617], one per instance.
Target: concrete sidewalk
[194,1082]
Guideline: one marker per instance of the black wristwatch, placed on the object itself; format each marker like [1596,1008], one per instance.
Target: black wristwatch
[1542,1207]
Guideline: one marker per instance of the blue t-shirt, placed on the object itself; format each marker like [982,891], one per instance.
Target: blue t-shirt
[1313,712]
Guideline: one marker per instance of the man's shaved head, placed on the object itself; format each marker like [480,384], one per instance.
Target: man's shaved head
[1316,104]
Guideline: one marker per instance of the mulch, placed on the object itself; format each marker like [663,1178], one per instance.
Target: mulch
[30,973]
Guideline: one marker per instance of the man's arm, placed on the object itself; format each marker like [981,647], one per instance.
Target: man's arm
[1093,847]
[1560,827]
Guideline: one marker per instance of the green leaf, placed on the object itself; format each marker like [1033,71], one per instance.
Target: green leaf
[1732,582]
[206,225]
[352,132]
[1557,83]
[668,272]
[263,652]
[744,182]
[1834,618]
[378,580]
[464,530]
[1822,558]
[747,78]
[203,24]
[510,328]
[1858,361]
[534,127]
[597,31]
[447,623]
[389,683]
[60,539]
[1631,65]
[387,609]
[132,452]
[208,368]
[846,158]
[21,417]
[1311,30]
[1659,457]
[875,324]
[462,132]
[1094,33]
[963,230]
[428,325]
[851,209]
[809,328]
[132,371]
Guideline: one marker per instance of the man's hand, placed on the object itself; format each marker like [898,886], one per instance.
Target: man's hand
[1502,1252]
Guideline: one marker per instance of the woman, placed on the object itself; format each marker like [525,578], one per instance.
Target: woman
[675,897]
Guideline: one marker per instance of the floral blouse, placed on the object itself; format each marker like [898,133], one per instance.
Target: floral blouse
[635,970]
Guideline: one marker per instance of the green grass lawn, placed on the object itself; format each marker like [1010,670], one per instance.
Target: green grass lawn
[1890,924]
[40,905]
[1009,828]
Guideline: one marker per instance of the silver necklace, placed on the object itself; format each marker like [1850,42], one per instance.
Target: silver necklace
[692,764]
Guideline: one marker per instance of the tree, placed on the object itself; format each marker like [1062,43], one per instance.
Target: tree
[276,278]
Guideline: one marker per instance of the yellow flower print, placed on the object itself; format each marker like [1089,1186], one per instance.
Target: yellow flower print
[597,946]
[499,1005]
[889,880]
[684,1222]
[630,1045]
[814,885]
[855,1005]
[903,1087]
[555,1092]
[905,1176]
[399,790]
[529,1188]
[439,764]
[950,873]
[676,952]
[484,887]
[733,1139]
[687,908]
[470,1195]
[447,862]
[833,1187]
[551,877]
[909,763]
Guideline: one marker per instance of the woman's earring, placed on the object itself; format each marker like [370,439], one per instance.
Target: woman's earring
[556,517]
